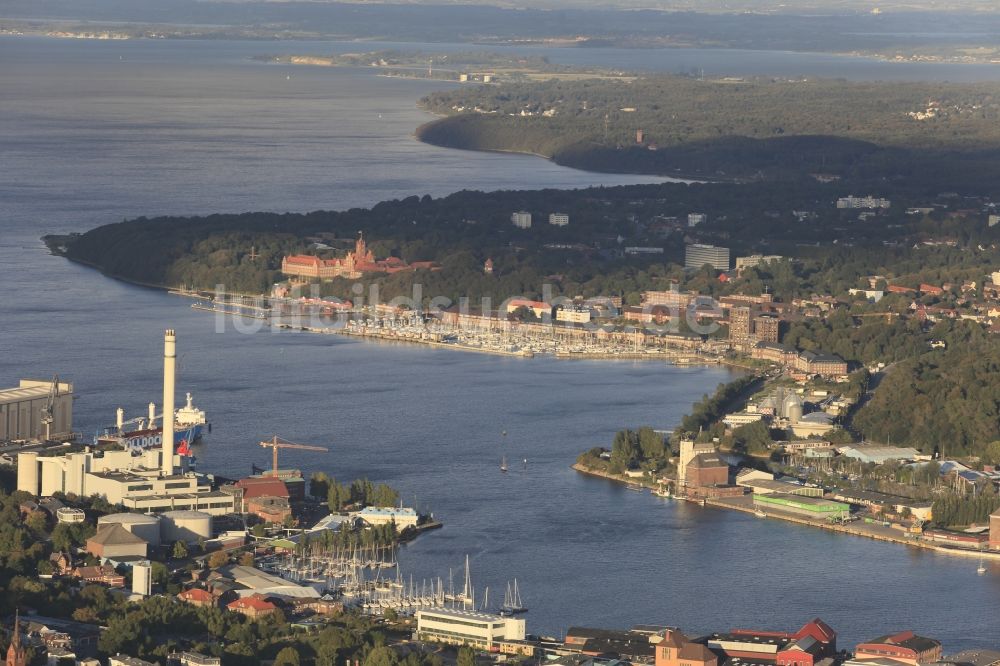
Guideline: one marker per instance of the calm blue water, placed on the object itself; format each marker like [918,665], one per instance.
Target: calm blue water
[88,138]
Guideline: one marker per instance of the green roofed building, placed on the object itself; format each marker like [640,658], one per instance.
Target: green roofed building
[807,507]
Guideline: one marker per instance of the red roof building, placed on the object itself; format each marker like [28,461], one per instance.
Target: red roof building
[197,597]
[813,642]
[677,650]
[252,607]
[904,646]
[102,574]
[262,486]
[351,266]
[898,289]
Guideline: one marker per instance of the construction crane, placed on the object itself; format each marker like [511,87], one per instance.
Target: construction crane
[48,411]
[278,443]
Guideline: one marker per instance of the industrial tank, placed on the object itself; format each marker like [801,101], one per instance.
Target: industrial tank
[186,526]
[144,526]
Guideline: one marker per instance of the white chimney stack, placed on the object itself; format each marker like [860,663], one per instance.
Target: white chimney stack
[169,379]
[120,420]
[152,414]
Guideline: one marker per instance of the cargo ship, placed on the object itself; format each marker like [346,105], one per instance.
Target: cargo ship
[190,427]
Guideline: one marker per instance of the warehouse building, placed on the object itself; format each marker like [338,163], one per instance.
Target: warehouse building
[36,410]
[880,454]
[775,487]
[477,630]
[806,507]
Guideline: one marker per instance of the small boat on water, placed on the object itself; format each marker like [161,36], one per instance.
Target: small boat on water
[503,464]
[512,604]
[636,486]
[759,513]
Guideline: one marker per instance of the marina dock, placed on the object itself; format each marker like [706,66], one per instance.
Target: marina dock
[506,339]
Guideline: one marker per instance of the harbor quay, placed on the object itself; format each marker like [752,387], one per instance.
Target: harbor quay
[821,512]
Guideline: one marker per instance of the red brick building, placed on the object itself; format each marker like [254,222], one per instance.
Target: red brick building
[904,646]
[262,486]
[814,641]
[351,266]
[101,574]
[707,469]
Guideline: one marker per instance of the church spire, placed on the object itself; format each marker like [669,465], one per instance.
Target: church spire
[16,655]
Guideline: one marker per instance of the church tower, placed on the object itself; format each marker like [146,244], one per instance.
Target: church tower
[16,656]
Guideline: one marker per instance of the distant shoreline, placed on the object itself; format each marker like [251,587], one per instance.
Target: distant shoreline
[118,31]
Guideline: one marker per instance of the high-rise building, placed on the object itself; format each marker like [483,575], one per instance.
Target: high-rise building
[521,219]
[697,255]
[740,326]
[766,328]
[558,219]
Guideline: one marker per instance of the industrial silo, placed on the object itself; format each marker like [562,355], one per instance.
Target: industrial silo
[186,526]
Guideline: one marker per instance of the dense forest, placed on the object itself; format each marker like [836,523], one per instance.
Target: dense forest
[929,134]
[462,230]
[944,400]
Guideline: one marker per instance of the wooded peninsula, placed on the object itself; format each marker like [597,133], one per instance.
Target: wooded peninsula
[930,135]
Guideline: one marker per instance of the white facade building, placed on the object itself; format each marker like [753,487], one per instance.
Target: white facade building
[142,578]
[558,219]
[403,517]
[478,630]
[697,255]
[68,514]
[574,315]
[521,219]
[134,482]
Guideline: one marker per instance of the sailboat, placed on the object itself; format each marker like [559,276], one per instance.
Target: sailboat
[503,464]
[982,567]
[512,604]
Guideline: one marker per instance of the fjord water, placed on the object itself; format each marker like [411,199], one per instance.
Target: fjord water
[93,132]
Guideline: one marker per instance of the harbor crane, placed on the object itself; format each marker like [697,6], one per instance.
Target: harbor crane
[276,443]
[48,411]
